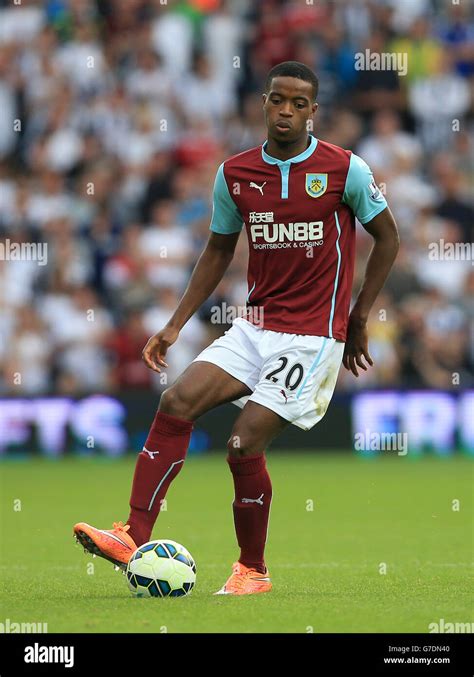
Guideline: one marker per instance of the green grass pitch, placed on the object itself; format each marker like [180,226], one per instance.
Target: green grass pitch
[326,563]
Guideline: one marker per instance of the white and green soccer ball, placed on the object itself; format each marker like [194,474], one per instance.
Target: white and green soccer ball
[161,569]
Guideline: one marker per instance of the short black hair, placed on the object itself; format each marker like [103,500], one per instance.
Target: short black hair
[293,69]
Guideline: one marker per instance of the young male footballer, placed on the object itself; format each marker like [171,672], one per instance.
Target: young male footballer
[298,198]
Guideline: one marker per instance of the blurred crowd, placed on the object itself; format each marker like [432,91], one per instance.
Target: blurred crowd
[115,115]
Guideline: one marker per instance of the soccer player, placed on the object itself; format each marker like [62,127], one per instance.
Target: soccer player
[298,198]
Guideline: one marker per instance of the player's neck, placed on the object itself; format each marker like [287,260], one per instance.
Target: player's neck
[287,150]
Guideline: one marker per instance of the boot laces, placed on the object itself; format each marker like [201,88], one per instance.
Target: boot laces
[120,526]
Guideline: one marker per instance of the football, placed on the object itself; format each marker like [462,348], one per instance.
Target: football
[161,568]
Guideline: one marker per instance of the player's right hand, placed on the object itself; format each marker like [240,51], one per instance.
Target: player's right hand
[155,350]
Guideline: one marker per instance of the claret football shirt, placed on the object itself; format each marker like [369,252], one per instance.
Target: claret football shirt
[299,215]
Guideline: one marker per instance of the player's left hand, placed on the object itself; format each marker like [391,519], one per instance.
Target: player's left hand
[357,346]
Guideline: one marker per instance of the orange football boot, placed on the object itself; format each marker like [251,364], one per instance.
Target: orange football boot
[245,581]
[114,545]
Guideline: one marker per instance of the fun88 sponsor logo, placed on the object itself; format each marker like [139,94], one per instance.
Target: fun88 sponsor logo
[298,231]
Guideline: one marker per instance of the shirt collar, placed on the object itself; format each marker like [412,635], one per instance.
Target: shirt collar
[298,158]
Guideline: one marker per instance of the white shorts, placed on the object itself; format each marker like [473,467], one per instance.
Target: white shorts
[294,375]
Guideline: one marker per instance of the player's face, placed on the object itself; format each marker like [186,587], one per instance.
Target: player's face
[287,108]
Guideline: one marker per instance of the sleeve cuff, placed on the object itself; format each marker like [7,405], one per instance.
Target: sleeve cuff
[365,219]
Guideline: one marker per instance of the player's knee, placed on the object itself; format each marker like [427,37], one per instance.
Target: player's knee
[239,445]
[174,402]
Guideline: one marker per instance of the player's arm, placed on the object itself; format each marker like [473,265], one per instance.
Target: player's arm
[386,241]
[207,274]
[209,270]
[368,204]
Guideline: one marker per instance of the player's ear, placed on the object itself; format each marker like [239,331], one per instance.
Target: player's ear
[264,98]
[314,107]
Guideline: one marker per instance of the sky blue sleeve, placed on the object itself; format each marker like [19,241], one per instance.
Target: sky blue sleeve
[226,217]
[361,193]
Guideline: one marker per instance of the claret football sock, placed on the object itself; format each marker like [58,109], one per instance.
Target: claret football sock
[157,465]
[251,506]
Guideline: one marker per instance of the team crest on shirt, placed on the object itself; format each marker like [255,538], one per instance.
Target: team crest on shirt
[316,184]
